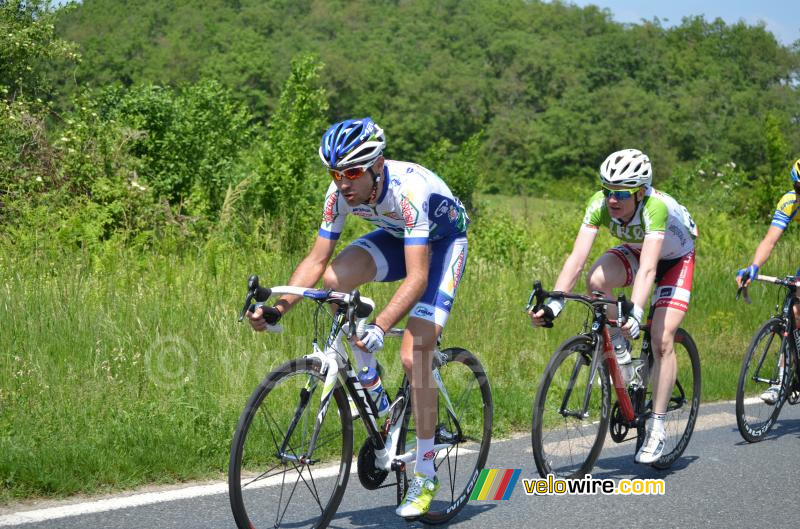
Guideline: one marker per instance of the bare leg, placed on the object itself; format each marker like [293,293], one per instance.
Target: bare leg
[662,335]
[606,274]
[416,353]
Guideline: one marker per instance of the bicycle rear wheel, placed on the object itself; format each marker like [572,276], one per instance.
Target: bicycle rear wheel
[269,485]
[684,403]
[566,442]
[465,425]
[760,369]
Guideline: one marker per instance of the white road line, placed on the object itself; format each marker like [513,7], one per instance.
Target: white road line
[149,498]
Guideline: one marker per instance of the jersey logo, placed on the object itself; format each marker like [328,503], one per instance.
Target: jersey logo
[441,209]
[331,209]
[410,213]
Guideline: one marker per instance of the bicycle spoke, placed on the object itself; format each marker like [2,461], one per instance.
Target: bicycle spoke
[280,429]
[567,445]
[467,418]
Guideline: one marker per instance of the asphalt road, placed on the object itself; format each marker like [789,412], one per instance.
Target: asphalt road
[721,481]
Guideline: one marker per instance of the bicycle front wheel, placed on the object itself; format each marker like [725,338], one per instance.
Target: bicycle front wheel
[684,404]
[760,369]
[464,425]
[568,430]
[272,481]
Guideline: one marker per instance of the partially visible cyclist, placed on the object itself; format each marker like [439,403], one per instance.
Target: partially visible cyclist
[420,238]
[785,211]
[658,235]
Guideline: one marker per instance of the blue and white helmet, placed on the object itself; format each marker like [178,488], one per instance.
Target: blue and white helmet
[351,143]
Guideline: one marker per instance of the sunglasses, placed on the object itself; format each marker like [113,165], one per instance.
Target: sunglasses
[620,194]
[351,173]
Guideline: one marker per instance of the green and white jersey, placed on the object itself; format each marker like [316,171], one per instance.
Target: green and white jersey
[657,216]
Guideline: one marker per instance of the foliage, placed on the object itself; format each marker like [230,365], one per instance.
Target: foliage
[552,87]
[458,166]
[27,43]
[289,179]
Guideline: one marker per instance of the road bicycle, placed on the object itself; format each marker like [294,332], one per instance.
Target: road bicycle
[293,447]
[771,359]
[572,410]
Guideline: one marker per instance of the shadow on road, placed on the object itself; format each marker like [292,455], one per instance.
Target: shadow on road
[384,516]
[623,467]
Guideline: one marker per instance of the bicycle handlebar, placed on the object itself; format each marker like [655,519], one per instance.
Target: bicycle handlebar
[789,282]
[357,306]
[538,294]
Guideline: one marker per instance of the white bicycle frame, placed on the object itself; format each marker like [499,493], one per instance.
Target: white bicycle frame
[336,368]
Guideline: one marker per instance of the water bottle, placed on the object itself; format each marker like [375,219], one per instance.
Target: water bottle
[371,381]
[622,349]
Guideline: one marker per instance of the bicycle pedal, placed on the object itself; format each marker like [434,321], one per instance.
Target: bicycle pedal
[398,465]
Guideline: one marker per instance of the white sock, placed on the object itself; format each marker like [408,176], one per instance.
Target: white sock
[425,457]
[659,423]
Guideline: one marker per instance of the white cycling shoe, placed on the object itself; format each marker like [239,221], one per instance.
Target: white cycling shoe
[652,447]
[770,396]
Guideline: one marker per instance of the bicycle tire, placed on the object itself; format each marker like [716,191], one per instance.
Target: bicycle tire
[557,449]
[680,418]
[471,398]
[256,445]
[755,417]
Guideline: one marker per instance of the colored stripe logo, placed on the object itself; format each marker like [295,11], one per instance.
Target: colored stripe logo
[495,484]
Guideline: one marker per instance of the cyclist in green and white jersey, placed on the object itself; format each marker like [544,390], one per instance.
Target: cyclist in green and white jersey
[785,212]
[658,237]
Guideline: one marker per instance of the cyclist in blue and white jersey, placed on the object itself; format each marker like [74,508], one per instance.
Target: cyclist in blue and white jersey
[420,237]
[785,212]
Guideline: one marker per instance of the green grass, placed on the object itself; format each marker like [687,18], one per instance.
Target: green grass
[122,368]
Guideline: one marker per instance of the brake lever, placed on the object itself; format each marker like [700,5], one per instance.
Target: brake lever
[248,301]
[743,292]
[536,299]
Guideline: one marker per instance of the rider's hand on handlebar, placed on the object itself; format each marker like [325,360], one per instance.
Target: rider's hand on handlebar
[263,317]
[371,340]
[549,311]
[745,275]
[634,321]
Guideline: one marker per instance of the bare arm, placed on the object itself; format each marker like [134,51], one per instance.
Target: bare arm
[411,289]
[763,251]
[574,264]
[309,271]
[766,245]
[572,268]
[646,275]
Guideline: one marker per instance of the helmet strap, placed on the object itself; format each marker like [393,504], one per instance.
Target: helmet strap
[376,178]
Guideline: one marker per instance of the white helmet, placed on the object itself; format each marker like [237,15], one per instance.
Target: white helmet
[626,168]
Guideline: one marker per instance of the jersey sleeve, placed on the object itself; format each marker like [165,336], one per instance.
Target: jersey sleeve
[593,217]
[785,211]
[333,215]
[655,214]
[414,207]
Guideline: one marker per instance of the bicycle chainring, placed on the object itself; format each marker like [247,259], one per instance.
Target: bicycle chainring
[370,477]
[794,390]
[618,430]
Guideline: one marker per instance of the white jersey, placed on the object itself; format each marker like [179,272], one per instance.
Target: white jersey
[414,204]
[658,215]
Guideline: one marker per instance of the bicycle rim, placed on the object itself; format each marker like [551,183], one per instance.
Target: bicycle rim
[684,403]
[754,417]
[564,443]
[267,490]
[465,425]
